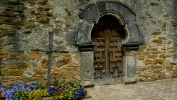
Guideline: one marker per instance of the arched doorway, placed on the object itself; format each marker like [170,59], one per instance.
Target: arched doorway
[93,25]
[107,34]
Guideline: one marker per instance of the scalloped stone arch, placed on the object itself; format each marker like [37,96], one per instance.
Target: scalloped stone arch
[133,38]
[123,14]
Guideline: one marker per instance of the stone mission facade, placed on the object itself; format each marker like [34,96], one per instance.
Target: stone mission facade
[109,41]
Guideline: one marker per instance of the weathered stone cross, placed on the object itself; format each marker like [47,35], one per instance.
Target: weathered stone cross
[50,51]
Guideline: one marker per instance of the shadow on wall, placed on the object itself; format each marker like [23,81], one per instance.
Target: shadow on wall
[173,25]
[15,43]
[12,1]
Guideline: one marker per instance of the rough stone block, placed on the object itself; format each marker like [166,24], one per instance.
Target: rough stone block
[162,56]
[71,38]
[86,65]
[161,75]
[154,4]
[131,66]
[102,6]
[44,63]
[156,33]
[2,9]
[3,54]
[156,52]
[49,14]
[11,66]
[145,75]
[156,70]
[83,36]
[134,35]
[12,73]
[111,6]
[6,14]
[173,63]
[174,75]
[92,12]
[129,69]
[42,2]
[34,55]
[152,56]
[169,67]
[156,66]
[140,58]
[167,76]
[158,61]
[40,72]
[17,57]
[29,73]
[158,41]
[43,20]
[147,62]
[128,15]
[22,65]
[138,73]
[67,59]
[67,11]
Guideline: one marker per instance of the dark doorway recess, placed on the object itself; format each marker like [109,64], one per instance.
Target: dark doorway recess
[108,54]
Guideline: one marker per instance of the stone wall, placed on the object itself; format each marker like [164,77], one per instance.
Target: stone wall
[25,25]
[157,58]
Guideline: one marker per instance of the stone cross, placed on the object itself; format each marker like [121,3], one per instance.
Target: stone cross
[50,51]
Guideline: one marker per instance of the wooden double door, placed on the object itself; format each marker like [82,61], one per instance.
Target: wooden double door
[107,57]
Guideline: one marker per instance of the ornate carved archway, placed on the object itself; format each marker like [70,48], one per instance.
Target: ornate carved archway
[133,38]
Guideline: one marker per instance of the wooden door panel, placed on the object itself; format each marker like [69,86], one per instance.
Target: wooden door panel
[107,57]
[115,57]
[99,59]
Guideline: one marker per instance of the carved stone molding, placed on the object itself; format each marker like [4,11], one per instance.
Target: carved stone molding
[123,14]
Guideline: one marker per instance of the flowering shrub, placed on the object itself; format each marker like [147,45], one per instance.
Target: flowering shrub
[37,94]
[35,91]
[19,91]
[69,91]
[1,97]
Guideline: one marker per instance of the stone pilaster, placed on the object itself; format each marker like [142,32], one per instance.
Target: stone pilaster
[129,67]
[87,70]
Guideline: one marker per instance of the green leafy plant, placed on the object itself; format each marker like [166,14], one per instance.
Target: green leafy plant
[21,95]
